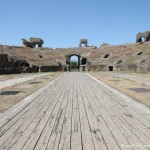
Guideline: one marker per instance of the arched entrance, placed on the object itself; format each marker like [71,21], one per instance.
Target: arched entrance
[69,62]
[141,39]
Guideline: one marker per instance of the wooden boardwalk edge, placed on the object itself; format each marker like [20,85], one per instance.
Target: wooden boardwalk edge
[144,109]
[4,117]
[76,112]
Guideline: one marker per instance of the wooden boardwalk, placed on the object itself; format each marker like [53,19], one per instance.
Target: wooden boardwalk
[75,112]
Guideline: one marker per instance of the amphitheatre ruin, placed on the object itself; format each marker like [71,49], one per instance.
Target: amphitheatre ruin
[28,58]
[103,104]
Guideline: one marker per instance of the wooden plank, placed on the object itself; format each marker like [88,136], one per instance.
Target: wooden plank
[85,127]
[76,137]
[54,140]
[34,118]
[26,111]
[130,108]
[65,140]
[89,103]
[32,141]
[126,129]
[105,101]
[76,113]
[98,138]
[16,109]
[139,128]
[147,117]
[30,137]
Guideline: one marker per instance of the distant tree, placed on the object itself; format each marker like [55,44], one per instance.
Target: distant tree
[74,65]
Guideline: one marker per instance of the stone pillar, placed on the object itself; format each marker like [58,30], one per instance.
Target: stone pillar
[39,69]
[79,63]
[69,64]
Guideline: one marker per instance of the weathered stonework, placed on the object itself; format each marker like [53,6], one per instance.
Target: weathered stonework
[33,42]
[83,41]
[130,57]
[145,35]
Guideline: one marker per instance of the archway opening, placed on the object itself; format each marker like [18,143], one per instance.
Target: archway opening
[36,46]
[73,62]
[142,39]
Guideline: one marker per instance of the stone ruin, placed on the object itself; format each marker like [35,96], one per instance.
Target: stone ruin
[145,35]
[131,57]
[83,41]
[33,42]
[104,44]
[15,65]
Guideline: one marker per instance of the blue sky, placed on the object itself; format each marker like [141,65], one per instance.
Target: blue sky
[62,23]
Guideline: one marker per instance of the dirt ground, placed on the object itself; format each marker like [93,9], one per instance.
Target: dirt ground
[138,91]
[15,76]
[22,90]
[9,96]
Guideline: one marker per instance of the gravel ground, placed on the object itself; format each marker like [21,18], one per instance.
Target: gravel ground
[135,85]
[10,95]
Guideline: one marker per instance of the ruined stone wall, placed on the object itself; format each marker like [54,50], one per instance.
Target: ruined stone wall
[4,60]
[97,68]
[131,57]
[125,67]
[10,65]
[132,67]
[51,68]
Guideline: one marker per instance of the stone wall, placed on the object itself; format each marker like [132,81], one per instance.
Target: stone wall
[51,68]
[125,67]
[132,67]
[131,57]
[4,61]
[10,65]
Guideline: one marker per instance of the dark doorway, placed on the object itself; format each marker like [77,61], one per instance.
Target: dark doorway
[110,68]
[83,61]
[73,62]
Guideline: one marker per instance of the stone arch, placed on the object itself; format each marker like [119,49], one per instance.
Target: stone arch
[83,41]
[140,39]
[143,37]
[68,61]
